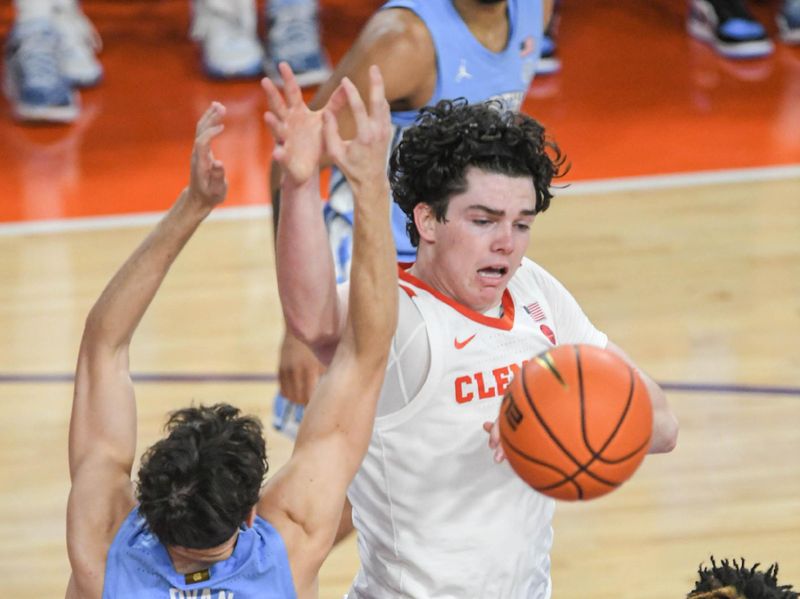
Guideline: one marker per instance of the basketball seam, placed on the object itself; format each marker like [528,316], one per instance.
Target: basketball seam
[598,455]
[507,442]
[581,467]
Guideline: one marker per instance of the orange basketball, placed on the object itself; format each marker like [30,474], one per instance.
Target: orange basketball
[576,422]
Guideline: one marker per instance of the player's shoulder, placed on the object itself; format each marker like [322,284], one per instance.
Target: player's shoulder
[531,275]
[396,27]
[529,269]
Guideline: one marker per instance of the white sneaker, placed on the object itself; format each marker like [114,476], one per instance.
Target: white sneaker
[293,36]
[32,80]
[227,32]
[79,44]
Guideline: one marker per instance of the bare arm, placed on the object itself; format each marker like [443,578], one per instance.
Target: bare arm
[306,281]
[665,424]
[399,43]
[102,435]
[305,499]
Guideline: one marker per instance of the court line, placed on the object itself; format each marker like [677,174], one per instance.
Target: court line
[676,180]
[44,378]
[262,211]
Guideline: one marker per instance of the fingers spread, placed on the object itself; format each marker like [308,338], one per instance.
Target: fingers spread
[276,126]
[377,94]
[330,130]
[357,108]
[211,116]
[274,98]
[337,101]
[292,90]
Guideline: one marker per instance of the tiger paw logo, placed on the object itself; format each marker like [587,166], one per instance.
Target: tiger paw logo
[548,332]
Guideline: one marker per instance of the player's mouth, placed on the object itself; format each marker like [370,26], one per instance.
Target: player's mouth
[493,273]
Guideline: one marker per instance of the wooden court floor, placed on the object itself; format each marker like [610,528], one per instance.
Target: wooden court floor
[698,277]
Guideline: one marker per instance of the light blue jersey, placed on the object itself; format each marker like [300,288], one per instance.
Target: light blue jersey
[465,68]
[138,566]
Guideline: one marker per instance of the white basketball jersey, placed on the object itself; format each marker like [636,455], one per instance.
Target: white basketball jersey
[436,517]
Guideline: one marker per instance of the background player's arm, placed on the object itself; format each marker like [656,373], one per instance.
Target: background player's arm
[102,435]
[304,500]
[398,42]
[306,281]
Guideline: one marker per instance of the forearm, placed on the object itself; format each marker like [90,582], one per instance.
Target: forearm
[373,287]
[306,279]
[665,424]
[104,407]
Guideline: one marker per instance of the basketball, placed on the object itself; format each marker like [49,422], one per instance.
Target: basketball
[576,422]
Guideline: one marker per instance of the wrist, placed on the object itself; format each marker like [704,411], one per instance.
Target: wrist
[375,186]
[290,185]
[192,204]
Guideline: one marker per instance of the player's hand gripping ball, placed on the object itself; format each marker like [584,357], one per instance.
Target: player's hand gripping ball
[576,422]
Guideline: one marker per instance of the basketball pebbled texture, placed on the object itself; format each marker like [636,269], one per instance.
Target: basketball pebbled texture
[576,422]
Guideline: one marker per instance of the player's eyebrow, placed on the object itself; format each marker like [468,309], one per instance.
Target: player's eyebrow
[498,213]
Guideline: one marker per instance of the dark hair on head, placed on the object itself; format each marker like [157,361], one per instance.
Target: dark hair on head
[198,485]
[429,164]
[735,581]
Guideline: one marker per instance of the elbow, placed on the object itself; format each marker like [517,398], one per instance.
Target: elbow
[312,334]
[665,433]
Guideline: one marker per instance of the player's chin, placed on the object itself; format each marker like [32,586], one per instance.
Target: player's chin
[487,298]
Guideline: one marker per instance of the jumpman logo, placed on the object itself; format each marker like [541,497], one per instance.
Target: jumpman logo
[462,71]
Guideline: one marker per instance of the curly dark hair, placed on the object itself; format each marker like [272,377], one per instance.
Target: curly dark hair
[429,164]
[198,485]
[726,581]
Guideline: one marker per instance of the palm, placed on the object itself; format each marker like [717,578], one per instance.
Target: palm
[302,143]
[207,180]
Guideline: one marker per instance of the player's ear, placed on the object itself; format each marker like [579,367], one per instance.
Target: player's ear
[425,219]
[251,518]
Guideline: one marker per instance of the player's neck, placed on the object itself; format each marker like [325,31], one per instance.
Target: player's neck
[186,560]
[487,22]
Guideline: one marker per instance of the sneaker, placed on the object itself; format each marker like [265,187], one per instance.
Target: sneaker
[286,416]
[293,37]
[32,80]
[227,32]
[729,28]
[789,22]
[79,44]
[549,63]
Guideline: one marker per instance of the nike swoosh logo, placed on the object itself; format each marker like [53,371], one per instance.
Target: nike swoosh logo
[462,344]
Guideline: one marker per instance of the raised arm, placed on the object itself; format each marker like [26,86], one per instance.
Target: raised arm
[306,280]
[304,500]
[102,434]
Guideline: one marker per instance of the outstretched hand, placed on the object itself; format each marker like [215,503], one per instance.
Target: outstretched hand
[363,158]
[296,128]
[207,183]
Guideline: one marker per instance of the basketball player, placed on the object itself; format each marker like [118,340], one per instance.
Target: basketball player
[427,50]
[726,581]
[195,525]
[436,516]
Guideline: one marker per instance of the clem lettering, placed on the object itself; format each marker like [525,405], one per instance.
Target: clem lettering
[485,385]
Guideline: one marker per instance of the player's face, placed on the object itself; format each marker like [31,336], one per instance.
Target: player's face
[479,247]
